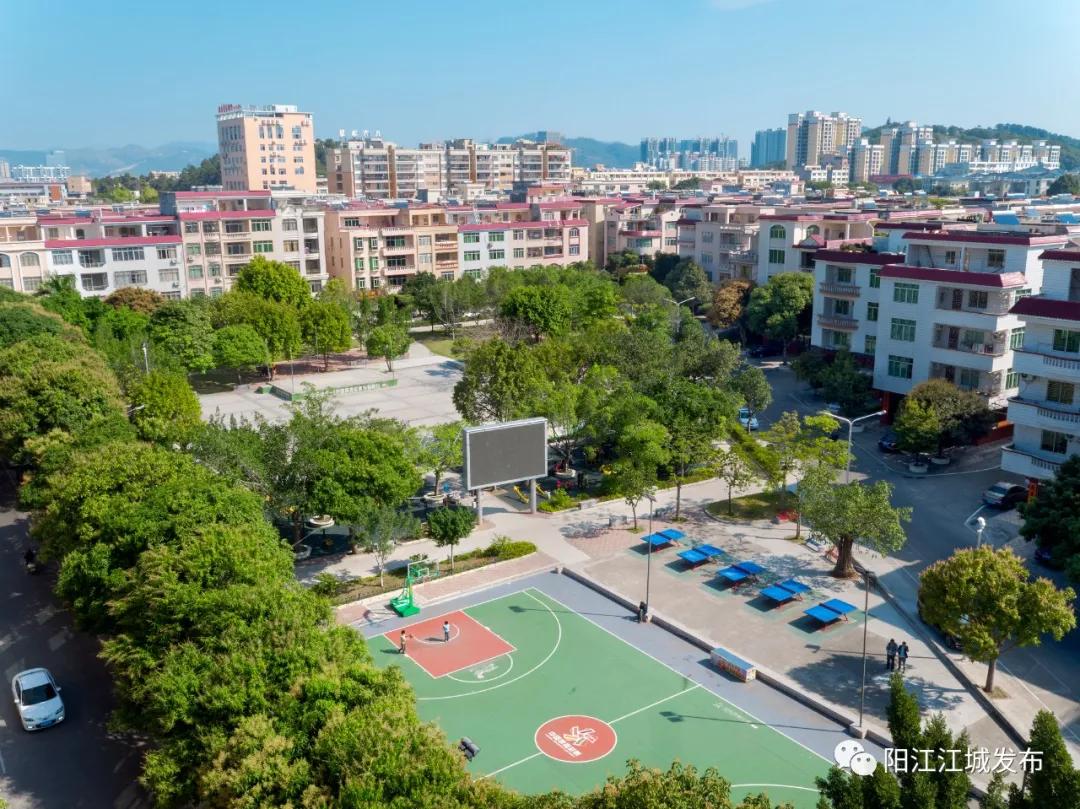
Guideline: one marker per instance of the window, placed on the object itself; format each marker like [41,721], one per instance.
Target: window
[373,263]
[837,339]
[94,281]
[707,237]
[6,262]
[191,227]
[424,241]
[968,379]
[1012,379]
[127,254]
[373,243]
[217,292]
[519,235]
[234,269]
[58,257]
[575,250]
[350,222]
[777,232]
[31,284]
[29,260]
[293,246]
[213,249]
[900,367]
[977,299]
[290,224]
[236,227]
[574,233]
[194,271]
[842,308]
[875,277]
[425,258]
[238,249]
[194,250]
[995,259]
[901,329]
[1016,338]
[906,293]
[950,256]
[843,275]
[1065,340]
[374,283]
[872,312]
[361,283]
[52,233]
[533,252]
[472,255]
[198,293]
[169,276]
[1054,442]
[210,227]
[1060,392]
[166,253]
[214,270]
[130,278]
[396,262]
[869,344]
[91,258]
[496,255]
[496,236]
[519,252]
[395,242]
[776,257]
[260,225]
[262,247]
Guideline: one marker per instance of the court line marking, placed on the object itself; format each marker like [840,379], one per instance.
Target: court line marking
[509,656]
[694,687]
[777,786]
[676,671]
[434,641]
[508,766]
[554,649]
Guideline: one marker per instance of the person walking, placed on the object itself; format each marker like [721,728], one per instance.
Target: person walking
[401,644]
[901,654]
[890,655]
[446,631]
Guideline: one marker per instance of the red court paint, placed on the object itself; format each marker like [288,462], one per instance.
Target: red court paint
[470,643]
[575,739]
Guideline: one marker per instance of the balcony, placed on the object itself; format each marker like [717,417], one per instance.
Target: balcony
[237,234]
[1041,360]
[838,290]
[1028,464]
[1044,415]
[838,322]
[449,264]
[996,348]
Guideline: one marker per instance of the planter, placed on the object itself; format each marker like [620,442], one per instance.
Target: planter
[434,498]
[944,461]
[320,521]
[301,552]
[566,474]
[918,468]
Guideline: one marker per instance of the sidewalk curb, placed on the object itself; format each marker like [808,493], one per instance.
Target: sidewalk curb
[770,678]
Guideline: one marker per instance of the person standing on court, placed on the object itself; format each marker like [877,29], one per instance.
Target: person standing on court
[446,631]
[902,654]
[401,647]
[890,655]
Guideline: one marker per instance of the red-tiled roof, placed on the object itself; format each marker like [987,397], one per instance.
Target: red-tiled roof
[115,241]
[856,257]
[792,217]
[532,224]
[983,237]
[1066,254]
[212,194]
[1047,307]
[216,215]
[979,279]
[907,226]
[559,205]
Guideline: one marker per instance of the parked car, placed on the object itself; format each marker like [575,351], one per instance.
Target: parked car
[769,349]
[37,699]
[887,442]
[1004,495]
[747,419]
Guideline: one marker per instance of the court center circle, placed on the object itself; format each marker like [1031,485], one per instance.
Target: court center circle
[575,739]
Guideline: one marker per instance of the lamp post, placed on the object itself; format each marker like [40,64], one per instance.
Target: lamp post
[648,552]
[850,428]
[866,620]
[980,526]
[678,307]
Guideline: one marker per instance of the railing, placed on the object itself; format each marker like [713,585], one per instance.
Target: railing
[1046,411]
[838,322]
[837,288]
[996,349]
[1034,460]
[446,265]
[1051,359]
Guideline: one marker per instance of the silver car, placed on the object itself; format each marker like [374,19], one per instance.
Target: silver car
[37,698]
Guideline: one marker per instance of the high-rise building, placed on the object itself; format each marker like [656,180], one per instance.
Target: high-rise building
[266,148]
[813,135]
[867,160]
[769,146]
[691,154]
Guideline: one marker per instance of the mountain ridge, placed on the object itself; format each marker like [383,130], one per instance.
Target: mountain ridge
[114,160]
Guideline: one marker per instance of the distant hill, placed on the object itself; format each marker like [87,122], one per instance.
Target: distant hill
[1070,147]
[589,151]
[131,159]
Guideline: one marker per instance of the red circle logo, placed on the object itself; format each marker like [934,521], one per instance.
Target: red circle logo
[575,739]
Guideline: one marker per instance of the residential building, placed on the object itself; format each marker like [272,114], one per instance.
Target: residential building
[23,260]
[645,227]
[40,174]
[787,240]
[723,239]
[811,136]
[537,242]
[867,160]
[847,286]
[692,154]
[1045,409]
[769,147]
[266,148]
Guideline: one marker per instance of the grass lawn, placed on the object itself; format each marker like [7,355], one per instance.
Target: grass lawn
[437,342]
[760,506]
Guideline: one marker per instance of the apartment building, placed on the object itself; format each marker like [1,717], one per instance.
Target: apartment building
[538,242]
[377,169]
[642,226]
[23,260]
[867,160]
[847,300]
[1045,409]
[265,148]
[788,240]
[769,146]
[105,252]
[722,239]
[813,135]
[948,310]
[221,231]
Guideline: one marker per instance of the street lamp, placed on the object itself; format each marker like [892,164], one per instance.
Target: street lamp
[850,428]
[980,526]
[678,307]
[866,620]
[648,551]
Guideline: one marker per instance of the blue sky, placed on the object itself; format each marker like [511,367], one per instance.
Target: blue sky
[106,74]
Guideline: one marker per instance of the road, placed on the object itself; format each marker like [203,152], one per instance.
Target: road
[943,505]
[77,763]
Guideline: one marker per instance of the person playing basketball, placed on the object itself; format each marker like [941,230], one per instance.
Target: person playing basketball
[446,631]
[401,647]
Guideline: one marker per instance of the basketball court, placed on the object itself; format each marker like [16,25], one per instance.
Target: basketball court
[558,687]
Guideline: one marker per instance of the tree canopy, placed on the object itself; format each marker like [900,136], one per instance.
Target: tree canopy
[1052,518]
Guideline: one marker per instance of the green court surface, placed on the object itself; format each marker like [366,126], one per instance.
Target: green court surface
[563,664]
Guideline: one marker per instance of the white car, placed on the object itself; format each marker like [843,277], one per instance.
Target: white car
[746,419]
[37,699]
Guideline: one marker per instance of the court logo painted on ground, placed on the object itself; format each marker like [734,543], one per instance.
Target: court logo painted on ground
[575,739]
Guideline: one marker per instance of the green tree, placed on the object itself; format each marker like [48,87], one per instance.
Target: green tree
[164,408]
[917,427]
[384,527]
[642,448]
[732,468]
[694,416]
[844,514]
[1052,518]
[963,414]
[138,299]
[240,347]
[18,321]
[58,294]
[498,379]
[1057,782]
[182,330]
[843,382]
[443,448]
[688,280]
[389,342]
[273,281]
[987,600]
[780,309]
[278,324]
[449,525]
[540,310]
[1065,184]
[326,327]
[753,388]
[623,263]
[641,290]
